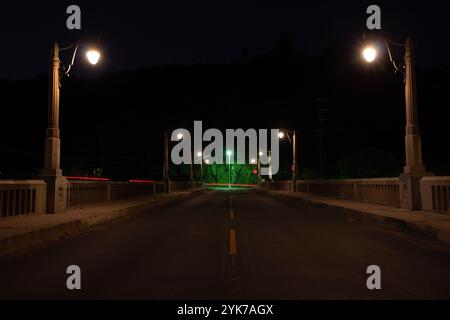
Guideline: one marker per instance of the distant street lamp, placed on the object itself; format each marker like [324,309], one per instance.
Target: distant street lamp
[191,167]
[56,183]
[414,169]
[258,165]
[229,153]
[200,155]
[292,137]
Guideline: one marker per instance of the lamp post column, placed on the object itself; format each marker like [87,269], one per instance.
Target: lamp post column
[413,170]
[52,173]
[258,168]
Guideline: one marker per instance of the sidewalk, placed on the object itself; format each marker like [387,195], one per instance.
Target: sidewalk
[24,231]
[422,224]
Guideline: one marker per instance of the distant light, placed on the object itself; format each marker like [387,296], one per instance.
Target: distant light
[281,134]
[229,153]
[207,161]
[180,136]
[253,160]
[260,153]
[93,56]
[369,54]
[199,154]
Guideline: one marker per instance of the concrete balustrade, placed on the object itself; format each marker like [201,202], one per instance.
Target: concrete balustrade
[81,193]
[18,197]
[180,186]
[434,191]
[22,197]
[378,190]
[435,194]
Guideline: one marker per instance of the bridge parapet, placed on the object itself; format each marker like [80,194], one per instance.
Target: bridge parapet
[435,194]
[19,197]
[378,190]
[434,191]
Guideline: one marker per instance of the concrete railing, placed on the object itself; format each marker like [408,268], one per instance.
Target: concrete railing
[22,197]
[180,186]
[435,194]
[378,190]
[81,193]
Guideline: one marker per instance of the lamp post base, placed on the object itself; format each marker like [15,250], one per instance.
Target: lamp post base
[167,181]
[410,196]
[56,191]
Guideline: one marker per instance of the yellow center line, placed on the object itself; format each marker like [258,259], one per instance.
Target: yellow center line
[233,246]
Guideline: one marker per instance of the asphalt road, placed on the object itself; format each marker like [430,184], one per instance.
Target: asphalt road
[232,245]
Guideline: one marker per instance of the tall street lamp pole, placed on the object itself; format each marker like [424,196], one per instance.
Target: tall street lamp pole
[229,168]
[413,145]
[414,170]
[200,155]
[294,167]
[258,166]
[52,172]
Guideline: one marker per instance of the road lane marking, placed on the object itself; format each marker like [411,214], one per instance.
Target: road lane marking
[231,214]
[233,246]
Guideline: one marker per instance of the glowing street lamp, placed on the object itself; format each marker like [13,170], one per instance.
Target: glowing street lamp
[52,172]
[414,169]
[93,56]
[179,136]
[369,53]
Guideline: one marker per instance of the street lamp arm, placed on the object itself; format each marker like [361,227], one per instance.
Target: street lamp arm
[397,68]
[76,44]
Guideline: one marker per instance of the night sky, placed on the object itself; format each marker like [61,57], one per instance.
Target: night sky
[142,33]
[231,64]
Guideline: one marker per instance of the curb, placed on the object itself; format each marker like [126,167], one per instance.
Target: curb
[41,235]
[418,230]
